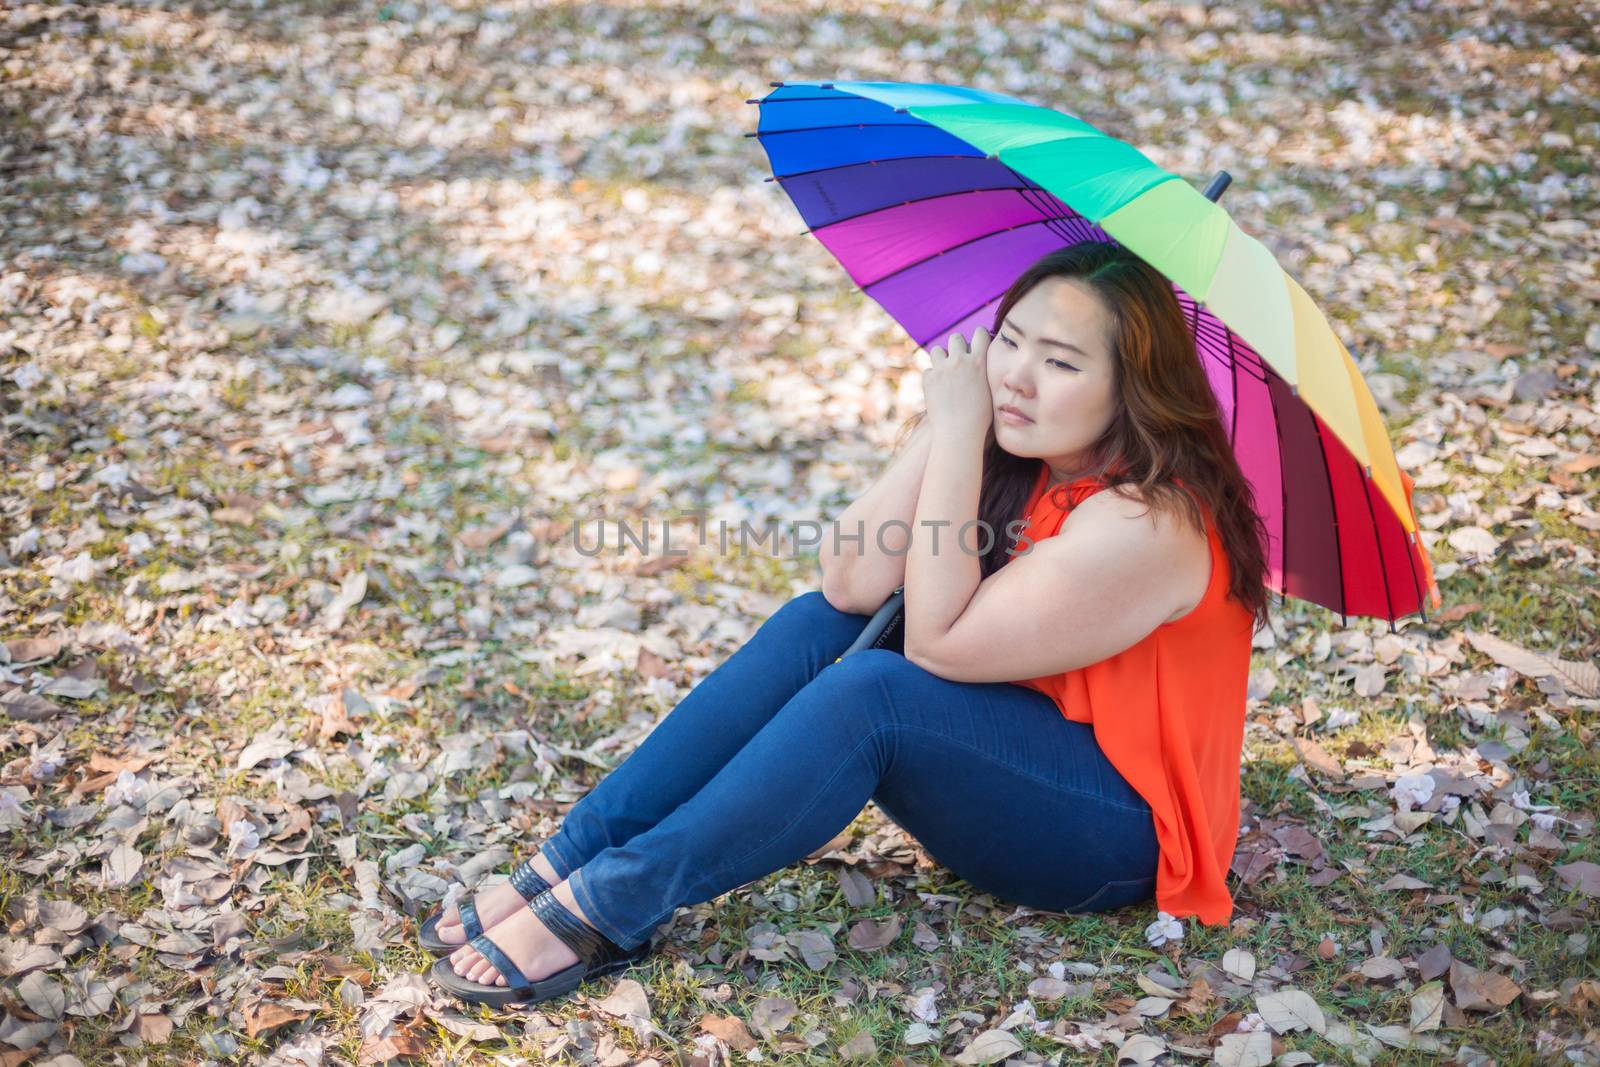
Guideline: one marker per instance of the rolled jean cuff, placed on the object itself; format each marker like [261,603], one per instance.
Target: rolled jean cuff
[580,892]
[551,850]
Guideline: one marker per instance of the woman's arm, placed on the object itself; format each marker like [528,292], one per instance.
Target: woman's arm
[859,576]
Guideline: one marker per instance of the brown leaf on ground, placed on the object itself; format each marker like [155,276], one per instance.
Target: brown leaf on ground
[627,997]
[1252,864]
[152,1029]
[859,1047]
[1313,755]
[336,720]
[1298,840]
[1583,875]
[1476,990]
[34,649]
[1579,678]
[869,936]
[772,1014]
[28,707]
[1457,612]
[261,1016]
[729,1029]
[393,1047]
[858,890]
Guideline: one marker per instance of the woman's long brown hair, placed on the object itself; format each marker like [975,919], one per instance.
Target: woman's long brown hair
[1167,425]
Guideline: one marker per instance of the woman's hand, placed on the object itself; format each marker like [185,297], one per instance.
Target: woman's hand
[957,386]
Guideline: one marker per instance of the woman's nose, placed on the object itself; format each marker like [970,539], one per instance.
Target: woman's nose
[1017,383]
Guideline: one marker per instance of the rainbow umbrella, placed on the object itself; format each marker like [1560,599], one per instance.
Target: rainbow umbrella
[936,197]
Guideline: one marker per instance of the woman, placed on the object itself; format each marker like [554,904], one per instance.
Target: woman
[1061,725]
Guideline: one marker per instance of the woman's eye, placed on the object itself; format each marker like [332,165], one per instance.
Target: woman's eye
[1059,363]
[1008,340]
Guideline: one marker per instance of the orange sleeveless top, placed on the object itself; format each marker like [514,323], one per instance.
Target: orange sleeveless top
[1168,713]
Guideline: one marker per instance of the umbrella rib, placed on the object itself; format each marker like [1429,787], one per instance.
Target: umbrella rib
[844,126]
[1233,363]
[953,321]
[1333,508]
[1050,217]
[1412,543]
[874,163]
[1283,498]
[921,200]
[1232,359]
[842,97]
[1377,539]
[1411,563]
[951,248]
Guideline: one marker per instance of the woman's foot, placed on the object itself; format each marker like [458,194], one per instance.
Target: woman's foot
[536,951]
[494,904]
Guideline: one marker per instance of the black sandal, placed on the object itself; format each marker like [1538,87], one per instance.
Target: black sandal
[524,879]
[597,955]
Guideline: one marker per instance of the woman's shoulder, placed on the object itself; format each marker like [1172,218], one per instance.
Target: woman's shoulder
[1120,513]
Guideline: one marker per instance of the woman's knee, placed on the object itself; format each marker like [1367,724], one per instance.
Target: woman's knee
[864,685]
[810,614]
[812,604]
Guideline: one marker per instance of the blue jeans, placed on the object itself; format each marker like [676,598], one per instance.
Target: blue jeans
[780,747]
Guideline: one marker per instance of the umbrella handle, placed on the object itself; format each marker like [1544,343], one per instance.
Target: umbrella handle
[878,629]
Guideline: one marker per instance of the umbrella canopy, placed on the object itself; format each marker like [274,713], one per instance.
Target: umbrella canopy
[935,198]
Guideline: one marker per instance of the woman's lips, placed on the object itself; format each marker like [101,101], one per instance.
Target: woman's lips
[1012,417]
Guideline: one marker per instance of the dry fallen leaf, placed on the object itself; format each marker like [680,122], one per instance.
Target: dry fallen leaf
[772,1014]
[1291,1009]
[1239,962]
[816,948]
[33,650]
[859,1047]
[730,1029]
[989,1047]
[261,1016]
[1582,875]
[1316,757]
[1382,968]
[858,890]
[395,1046]
[1142,1050]
[627,997]
[1476,990]
[1579,678]
[42,995]
[122,865]
[1250,1049]
[1427,1006]
[869,936]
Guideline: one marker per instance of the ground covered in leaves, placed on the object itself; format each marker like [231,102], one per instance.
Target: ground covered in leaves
[325,327]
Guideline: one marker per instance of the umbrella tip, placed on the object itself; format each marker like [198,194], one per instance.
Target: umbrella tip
[1294,390]
[1218,185]
[776,85]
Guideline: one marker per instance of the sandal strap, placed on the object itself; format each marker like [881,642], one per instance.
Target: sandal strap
[592,947]
[471,925]
[526,881]
[516,981]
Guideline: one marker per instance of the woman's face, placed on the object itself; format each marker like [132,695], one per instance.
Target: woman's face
[1067,393]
